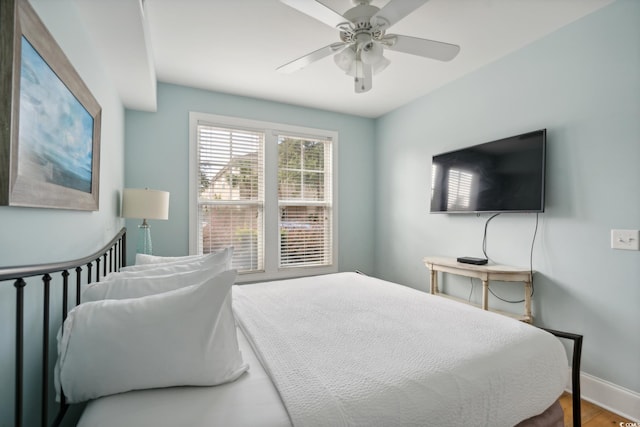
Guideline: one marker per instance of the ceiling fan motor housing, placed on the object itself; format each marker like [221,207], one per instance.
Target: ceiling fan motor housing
[359,31]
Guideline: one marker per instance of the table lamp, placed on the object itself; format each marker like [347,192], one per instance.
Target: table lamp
[145,204]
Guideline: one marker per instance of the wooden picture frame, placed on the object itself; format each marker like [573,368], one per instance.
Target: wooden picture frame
[49,120]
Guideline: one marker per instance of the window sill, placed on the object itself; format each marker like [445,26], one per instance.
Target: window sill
[285,273]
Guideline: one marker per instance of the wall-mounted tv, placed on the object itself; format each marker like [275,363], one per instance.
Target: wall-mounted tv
[506,175]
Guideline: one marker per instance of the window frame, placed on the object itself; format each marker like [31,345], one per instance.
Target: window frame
[271,208]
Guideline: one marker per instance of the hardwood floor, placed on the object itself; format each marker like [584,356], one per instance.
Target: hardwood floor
[592,415]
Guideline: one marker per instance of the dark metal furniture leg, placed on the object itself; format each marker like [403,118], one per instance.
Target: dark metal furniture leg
[575,371]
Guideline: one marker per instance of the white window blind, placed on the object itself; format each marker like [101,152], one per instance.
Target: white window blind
[304,200]
[267,190]
[231,193]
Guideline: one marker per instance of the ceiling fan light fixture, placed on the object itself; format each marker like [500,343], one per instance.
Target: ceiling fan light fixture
[380,65]
[353,70]
[345,59]
[371,53]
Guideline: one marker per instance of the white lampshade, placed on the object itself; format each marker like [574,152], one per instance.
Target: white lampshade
[145,203]
[374,56]
[381,65]
[345,59]
[372,53]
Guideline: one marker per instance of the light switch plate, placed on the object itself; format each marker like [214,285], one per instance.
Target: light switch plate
[625,239]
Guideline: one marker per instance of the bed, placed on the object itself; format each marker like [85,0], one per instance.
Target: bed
[339,349]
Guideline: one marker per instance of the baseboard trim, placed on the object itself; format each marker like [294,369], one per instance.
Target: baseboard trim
[609,396]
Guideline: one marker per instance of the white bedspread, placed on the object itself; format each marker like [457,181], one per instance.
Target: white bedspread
[347,349]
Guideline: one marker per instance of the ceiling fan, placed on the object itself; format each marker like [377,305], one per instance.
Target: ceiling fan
[360,53]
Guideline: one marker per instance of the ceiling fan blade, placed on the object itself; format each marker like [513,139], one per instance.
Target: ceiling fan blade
[363,81]
[421,47]
[314,56]
[317,11]
[395,10]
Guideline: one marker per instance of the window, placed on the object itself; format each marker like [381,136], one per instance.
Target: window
[265,189]
[231,193]
[304,194]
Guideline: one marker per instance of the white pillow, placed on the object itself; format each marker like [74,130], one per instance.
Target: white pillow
[155,259]
[182,337]
[221,257]
[136,285]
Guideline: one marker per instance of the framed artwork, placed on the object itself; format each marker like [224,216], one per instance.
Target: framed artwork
[49,120]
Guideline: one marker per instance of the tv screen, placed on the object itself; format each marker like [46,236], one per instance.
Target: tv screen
[506,175]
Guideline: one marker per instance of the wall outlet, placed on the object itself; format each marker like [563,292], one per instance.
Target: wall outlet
[625,239]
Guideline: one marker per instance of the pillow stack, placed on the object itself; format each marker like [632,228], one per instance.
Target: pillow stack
[153,278]
[165,323]
[153,259]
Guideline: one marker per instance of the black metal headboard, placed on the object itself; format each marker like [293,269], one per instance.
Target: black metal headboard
[110,258]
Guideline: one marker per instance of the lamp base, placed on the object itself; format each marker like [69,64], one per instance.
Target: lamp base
[144,239]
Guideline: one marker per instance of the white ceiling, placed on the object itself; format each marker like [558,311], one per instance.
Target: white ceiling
[235,46]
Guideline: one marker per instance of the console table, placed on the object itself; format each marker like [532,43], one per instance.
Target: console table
[486,273]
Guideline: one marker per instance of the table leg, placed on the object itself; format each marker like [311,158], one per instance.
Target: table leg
[527,299]
[434,282]
[485,295]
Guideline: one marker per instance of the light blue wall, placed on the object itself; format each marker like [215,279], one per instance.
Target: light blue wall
[582,83]
[157,150]
[72,233]
[30,236]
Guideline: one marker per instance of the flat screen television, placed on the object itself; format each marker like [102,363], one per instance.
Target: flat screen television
[506,175]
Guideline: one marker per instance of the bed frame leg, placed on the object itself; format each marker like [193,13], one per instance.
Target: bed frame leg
[575,372]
